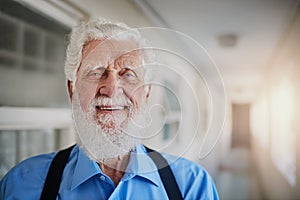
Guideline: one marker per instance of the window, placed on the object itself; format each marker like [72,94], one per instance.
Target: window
[31,58]
[34,117]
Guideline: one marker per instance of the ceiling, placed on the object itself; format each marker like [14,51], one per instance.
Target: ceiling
[253,30]
[256,26]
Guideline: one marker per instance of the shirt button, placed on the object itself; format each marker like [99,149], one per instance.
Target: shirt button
[102,178]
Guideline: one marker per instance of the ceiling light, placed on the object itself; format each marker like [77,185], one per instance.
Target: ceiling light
[227,39]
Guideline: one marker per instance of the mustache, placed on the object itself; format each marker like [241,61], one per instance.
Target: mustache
[120,100]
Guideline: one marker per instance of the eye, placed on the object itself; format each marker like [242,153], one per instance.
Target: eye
[95,74]
[129,74]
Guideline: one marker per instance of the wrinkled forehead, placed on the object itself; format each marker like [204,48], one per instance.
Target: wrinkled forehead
[108,51]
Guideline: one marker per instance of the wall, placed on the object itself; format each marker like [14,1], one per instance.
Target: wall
[275,113]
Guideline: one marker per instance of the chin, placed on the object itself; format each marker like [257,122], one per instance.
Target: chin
[106,134]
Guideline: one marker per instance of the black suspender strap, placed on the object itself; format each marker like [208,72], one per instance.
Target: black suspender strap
[53,179]
[166,175]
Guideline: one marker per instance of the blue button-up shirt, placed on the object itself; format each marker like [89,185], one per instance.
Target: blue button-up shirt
[83,179]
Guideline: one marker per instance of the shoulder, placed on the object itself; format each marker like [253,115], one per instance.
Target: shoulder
[27,177]
[36,166]
[193,180]
[32,166]
[184,166]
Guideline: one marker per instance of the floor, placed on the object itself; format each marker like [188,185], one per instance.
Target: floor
[237,179]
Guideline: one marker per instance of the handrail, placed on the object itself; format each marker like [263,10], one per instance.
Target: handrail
[33,118]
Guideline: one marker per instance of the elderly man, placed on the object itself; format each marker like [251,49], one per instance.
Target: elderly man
[106,83]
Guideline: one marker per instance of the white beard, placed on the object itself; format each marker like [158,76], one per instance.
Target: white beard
[100,143]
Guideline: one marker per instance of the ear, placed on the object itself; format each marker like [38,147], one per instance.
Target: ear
[148,92]
[70,89]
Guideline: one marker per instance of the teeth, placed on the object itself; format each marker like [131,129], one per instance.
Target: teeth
[111,108]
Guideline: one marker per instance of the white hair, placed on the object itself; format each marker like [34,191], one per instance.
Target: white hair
[96,29]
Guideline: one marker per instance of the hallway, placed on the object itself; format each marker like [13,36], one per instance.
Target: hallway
[237,179]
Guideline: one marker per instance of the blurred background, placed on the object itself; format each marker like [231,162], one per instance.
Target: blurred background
[244,133]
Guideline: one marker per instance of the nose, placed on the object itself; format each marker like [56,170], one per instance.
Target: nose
[109,86]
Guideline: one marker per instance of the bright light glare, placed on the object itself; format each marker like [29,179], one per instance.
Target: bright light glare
[282,132]
[260,121]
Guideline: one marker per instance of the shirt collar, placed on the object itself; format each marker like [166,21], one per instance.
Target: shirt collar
[140,164]
[85,168]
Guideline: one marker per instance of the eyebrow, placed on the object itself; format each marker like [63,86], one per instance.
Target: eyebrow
[130,67]
[97,67]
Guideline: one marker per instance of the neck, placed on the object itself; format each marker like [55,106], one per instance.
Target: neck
[115,167]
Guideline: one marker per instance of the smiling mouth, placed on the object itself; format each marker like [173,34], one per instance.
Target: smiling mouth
[111,108]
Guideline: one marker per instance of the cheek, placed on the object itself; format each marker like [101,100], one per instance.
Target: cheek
[137,96]
[86,94]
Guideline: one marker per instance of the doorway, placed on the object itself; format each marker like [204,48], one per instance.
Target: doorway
[240,126]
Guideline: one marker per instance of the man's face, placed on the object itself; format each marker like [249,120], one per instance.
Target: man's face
[110,81]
